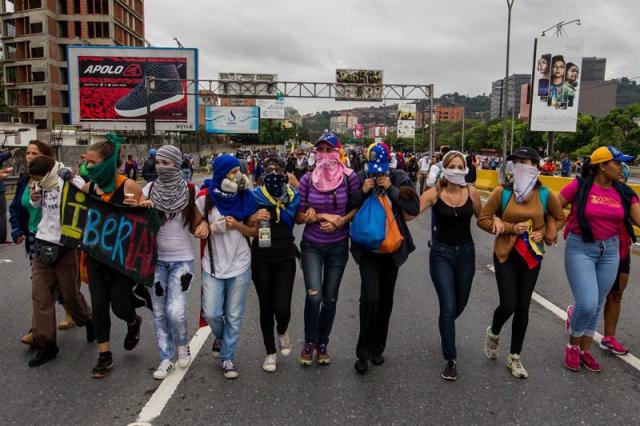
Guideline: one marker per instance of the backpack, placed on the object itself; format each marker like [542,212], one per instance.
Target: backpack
[368,228]
[543,193]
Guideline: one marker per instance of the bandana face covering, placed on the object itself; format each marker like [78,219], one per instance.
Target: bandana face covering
[327,175]
[275,183]
[104,174]
[169,192]
[456,176]
[525,178]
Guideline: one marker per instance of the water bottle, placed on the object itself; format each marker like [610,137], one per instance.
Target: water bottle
[264,234]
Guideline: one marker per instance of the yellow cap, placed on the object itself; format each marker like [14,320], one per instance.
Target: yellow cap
[601,155]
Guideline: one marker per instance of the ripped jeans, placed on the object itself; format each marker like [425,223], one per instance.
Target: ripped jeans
[169,297]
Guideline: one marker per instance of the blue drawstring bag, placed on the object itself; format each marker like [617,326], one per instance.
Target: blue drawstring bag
[368,225]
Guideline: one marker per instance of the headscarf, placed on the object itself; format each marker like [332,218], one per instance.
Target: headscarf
[49,182]
[104,174]
[169,192]
[239,205]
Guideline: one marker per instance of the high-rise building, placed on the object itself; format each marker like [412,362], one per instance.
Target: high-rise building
[510,97]
[593,68]
[35,35]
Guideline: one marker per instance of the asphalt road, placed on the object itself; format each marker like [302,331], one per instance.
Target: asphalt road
[407,389]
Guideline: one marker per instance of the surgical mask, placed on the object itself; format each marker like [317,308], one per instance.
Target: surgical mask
[525,178]
[456,176]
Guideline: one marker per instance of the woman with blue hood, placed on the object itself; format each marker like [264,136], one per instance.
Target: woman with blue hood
[274,268]
[223,206]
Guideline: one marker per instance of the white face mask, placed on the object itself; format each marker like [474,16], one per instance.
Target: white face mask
[525,178]
[456,176]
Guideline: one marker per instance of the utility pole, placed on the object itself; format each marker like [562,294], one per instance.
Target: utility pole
[149,86]
[504,83]
[432,127]
[463,114]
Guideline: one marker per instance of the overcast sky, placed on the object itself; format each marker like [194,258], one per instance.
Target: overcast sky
[458,45]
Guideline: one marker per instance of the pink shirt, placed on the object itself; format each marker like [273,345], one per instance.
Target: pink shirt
[603,211]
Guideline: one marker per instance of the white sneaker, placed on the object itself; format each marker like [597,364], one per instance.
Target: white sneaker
[514,363]
[164,369]
[184,356]
[284,344]
[269,364]
[491,343]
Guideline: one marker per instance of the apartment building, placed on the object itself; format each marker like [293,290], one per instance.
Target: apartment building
[35,36]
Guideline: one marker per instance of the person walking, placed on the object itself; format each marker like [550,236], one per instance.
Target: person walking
[601,209]
[327,197]
[4,156]
[379,268]
[149,166]
[524,207]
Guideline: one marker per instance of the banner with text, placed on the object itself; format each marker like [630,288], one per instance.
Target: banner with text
[122,237]
[406,127]
[271,109]
[359,85]
[232,120]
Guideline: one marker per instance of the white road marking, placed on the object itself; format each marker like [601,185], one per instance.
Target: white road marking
[6,261]
[562,314]
[165,391]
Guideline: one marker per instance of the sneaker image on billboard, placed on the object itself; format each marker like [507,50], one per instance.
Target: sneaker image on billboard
[166,92]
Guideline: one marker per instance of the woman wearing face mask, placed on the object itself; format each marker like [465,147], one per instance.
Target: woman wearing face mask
[530,214]
[108,287]
[602,208]
[273,268]
[326,198]
[24,218]
[379,270]
[175,201]
[55,268]
[223,206]
[452,254]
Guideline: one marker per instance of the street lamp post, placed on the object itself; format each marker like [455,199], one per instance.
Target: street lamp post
[463,114]
[505,119]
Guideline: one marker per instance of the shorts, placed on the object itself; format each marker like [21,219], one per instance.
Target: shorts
[623,268]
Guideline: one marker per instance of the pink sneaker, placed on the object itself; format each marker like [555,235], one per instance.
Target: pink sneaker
[572,358]
[567,322]
[610,343]
[590,362]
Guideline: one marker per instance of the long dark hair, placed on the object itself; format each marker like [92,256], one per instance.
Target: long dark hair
[588,169]
[188,213]
[40,165]
[42,147]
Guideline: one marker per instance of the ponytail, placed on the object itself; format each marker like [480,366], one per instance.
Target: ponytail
[588,169]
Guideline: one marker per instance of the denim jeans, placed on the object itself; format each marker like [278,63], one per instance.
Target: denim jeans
[186,173]
[322,266]
[223,305]
[169,297]
[591,269]
[452,270]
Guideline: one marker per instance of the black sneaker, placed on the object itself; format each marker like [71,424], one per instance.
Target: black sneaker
[168,90]
[105,363]
[377,359]
[91,336]
[361,366]
[450,371]
[41,357]
[133,334]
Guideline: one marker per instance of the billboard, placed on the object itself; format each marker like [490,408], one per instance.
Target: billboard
[235,84]
[556,84]
[406,127]
[107,87]
[232,120]
[359,85]
[272,109]
[358,131]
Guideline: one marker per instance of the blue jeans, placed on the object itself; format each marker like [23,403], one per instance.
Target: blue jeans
[452,270]
[322,266]
[591,269]
[223,305]
[169,297]
[186,173]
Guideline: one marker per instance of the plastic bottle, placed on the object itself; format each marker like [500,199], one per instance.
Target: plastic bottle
[264,234]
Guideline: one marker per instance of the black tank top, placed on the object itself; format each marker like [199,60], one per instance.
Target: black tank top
[117,197]
[453,224]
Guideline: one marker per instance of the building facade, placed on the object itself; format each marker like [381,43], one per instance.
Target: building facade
[448,113]
[510,97]
[35,36]
[344,122]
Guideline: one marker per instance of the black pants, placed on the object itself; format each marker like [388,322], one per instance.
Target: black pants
[515,288]
[109,287]
[378,273]
[274,285]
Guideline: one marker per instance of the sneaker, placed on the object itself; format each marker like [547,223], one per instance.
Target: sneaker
[491,343]
[572,358]
[377,359]
[105,363]
[590,362]
[164,369]
[567,322]
[168,90]
[42,357]
[215,348]
[133,334]
[361,366]
[229,370]
[306,355]
[322,355]
[610,343]
[269,364]
[450,371]
[514,363]
[184,356]
[284,343]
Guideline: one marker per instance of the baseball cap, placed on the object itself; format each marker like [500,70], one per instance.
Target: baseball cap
[526,153]
[608,153]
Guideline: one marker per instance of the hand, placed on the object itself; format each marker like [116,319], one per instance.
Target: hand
[6,172]
[231,222]
[65,173]
[130,202]
[146,203]
[498,226]
[219,226]
[202,230]
[334,219]
[368,185]
[263,214]
[20,239]
[520,228]
[383,181]
[35,195]
[310,215]
[328,227]
[537,236]
[551,241]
